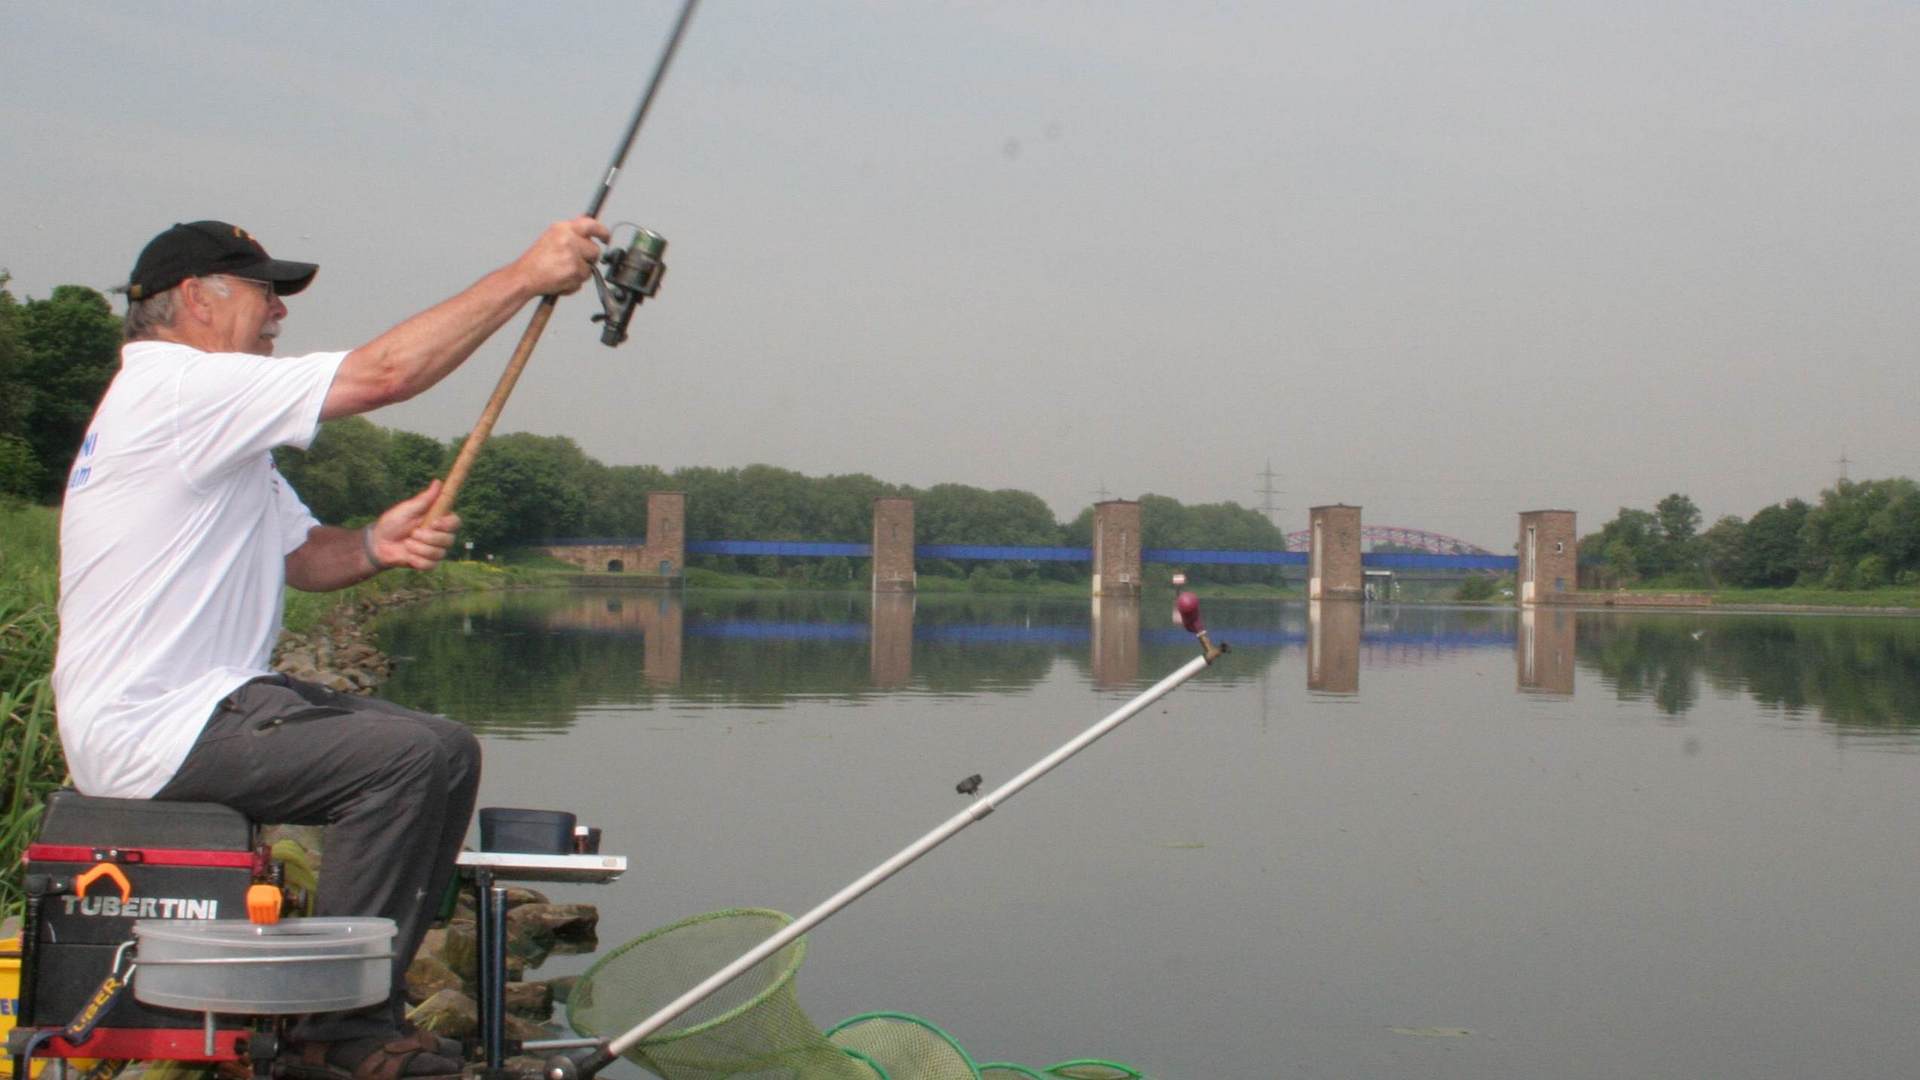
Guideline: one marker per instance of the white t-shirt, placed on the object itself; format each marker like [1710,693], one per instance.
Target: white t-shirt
[173,545]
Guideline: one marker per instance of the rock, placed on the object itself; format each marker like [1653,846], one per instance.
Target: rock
[525,1067]
[298,660]
[461,948]
[517,895]
[450,1013]
[525,1030]
[566,922]
[339,652]
[428,975]
[561,988]
[533,1000]
[528,950]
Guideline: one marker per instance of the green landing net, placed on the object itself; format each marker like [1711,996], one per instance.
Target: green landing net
[753,1029]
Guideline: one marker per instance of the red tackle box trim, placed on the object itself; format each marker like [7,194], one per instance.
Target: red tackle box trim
[81,853]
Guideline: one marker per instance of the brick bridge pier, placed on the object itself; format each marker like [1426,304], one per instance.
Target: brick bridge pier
[1544,566]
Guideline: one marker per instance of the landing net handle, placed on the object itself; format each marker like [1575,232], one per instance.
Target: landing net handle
[564,1068]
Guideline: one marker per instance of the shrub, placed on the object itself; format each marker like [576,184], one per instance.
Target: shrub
[1871,571]
[1477,587]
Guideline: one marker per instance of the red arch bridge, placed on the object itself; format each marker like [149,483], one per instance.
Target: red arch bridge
[1431,543]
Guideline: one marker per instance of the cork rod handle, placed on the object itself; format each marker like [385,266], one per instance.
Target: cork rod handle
[463,464]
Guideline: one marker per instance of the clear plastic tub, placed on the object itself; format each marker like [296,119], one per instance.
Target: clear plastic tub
[292,966]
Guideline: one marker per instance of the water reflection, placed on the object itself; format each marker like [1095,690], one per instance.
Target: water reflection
[530,661]
[1116,640]
[890,650]
[657,618]
[1543,650]
[1333,646]
[1424,876]
[1854,672]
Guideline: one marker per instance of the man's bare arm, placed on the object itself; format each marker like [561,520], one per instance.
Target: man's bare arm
[427,347]
[334,558]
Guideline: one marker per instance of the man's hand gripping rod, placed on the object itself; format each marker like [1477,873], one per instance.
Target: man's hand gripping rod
[569,1068]
[635,272]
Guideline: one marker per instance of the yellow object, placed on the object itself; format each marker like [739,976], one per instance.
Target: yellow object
[301,878]
[10,1007]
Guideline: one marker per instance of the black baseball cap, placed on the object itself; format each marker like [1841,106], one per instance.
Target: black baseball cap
[212,247]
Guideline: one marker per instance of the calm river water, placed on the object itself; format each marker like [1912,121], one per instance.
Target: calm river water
[1398,842]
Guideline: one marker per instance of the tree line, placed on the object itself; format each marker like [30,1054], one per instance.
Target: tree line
[1861,534]
[526,490]
[58,354]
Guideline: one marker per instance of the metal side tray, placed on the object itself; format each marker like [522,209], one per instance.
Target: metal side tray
[517,866]
[487,870]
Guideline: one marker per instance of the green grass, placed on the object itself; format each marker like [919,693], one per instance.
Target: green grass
[1891,596]
[1885,596]
[30,761]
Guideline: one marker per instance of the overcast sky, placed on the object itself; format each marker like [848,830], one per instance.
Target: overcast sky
[1446,262]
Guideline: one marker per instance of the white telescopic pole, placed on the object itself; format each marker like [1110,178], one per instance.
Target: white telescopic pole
[899,862]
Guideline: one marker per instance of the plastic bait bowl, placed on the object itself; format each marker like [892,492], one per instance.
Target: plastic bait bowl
[292,966]
[528,832]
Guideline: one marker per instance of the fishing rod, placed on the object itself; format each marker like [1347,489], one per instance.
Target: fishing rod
[633,274]
[1186,609]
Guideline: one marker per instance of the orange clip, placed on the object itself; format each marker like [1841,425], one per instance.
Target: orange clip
[104,870]
[263,904]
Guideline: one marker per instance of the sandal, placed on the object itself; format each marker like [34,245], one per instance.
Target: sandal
[415,1056]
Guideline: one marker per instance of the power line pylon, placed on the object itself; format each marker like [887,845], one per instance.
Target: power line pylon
[1267,492]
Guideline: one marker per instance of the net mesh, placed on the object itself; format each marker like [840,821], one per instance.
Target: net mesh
[904,1047]
[1092,1069]
[751,1029]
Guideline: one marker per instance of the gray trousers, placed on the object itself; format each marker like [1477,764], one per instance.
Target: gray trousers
[395,789]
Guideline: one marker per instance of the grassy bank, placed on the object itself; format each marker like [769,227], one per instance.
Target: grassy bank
[305,610]
[30,760]
[1886,596]
[1892,596]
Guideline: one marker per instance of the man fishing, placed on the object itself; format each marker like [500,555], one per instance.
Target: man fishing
[176,539]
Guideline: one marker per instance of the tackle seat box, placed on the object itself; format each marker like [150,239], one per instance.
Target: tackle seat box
[184,861]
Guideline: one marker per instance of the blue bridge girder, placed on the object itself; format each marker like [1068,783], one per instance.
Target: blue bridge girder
[821,549]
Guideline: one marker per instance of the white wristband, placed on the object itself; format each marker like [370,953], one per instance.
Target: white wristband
[366,545]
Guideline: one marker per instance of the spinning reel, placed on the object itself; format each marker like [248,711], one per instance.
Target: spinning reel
[633,274]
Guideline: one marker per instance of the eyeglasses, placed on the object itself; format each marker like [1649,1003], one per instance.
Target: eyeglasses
[264,286]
